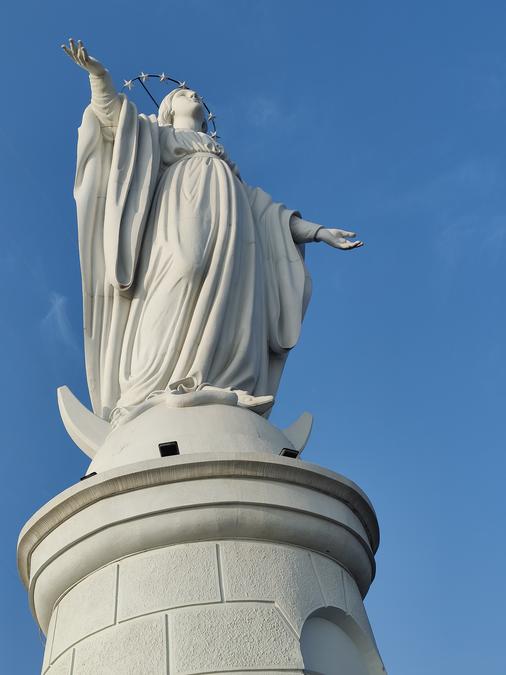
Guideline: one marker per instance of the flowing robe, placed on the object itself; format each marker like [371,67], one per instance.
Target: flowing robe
[186,270]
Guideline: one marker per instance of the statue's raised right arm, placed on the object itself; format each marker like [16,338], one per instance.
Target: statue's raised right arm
[105,100]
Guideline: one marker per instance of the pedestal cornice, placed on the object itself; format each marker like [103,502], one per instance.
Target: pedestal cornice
[194,498]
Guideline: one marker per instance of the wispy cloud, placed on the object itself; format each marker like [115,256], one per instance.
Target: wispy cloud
[265,111]
[462,206]
[468,234]
[271,112]
[471,218]
[56,325]
[260,118]
[454,186]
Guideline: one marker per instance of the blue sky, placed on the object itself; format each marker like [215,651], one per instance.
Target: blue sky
[388,118]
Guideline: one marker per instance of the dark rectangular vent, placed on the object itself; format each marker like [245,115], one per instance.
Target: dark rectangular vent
[168,449]
[288,452]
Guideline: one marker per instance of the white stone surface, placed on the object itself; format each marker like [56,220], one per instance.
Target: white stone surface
[217,428]
[354,605]
[194,289]
[232,637]
[195,278]
[298,432]
[88,431]
[205,559]
[176,500]
[331,579]
[166,578]
[86,608]
[137,648]
[281,574]
[49,641]
[208,607]
[63,666]
[216,281]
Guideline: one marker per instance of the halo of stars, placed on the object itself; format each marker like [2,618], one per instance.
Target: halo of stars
[181,84]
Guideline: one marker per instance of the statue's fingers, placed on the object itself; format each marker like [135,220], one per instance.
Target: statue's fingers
[346,245]
[339,243]
[72,46]
[69,53]
[85,55]
[80,57]
[81,51]
[347,235]
[74,51]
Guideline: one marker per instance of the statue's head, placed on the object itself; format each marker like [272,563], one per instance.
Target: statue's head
[182,104]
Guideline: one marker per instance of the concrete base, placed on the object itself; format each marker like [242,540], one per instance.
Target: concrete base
[204,564]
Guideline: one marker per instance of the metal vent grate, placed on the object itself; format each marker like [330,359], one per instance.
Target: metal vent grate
[288,452]
[168,449]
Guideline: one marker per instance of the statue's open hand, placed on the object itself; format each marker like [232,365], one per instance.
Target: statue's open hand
[338,238]
[79,55]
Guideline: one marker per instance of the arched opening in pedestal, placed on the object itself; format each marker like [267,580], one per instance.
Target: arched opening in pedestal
[328,650]
[332,643]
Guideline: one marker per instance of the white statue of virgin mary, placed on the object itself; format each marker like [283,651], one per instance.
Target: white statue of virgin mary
[192,280]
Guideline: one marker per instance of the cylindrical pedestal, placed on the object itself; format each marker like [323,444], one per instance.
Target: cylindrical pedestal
[204,564]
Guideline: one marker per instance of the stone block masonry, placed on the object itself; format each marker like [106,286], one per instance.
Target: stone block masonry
[232,563]
[198,608]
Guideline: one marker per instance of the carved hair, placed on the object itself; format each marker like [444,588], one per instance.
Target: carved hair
[166,113]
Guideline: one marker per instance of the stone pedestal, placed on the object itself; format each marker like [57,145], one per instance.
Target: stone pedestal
[204,563]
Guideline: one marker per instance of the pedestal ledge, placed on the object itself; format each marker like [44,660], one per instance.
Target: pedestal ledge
[195,498]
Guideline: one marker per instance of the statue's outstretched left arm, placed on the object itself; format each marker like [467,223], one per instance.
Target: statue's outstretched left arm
[304,232]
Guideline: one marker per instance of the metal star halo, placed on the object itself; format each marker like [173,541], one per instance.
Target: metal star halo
[181,84]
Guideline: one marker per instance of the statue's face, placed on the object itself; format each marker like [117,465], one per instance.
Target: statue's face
[187,103]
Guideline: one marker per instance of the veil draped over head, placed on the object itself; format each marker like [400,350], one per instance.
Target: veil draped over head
[165,117]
